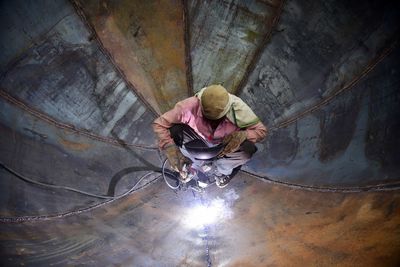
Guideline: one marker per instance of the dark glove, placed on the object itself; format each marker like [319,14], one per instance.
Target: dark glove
[232,142]
[176,158]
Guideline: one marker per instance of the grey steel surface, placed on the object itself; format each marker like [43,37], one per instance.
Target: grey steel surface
[322,75]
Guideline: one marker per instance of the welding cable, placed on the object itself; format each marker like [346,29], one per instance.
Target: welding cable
[167,172]
[28,180]
[164,171]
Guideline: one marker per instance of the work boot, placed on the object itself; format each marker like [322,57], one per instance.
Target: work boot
[222,180]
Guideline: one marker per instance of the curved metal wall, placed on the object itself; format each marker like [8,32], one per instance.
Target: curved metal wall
[82,81]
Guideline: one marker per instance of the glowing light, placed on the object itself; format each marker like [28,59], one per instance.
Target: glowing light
[203,215]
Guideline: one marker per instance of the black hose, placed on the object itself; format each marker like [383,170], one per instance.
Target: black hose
[166,172]
[28,180]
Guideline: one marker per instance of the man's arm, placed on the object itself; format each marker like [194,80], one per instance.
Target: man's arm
[161,127]
[257,132]
[176,115]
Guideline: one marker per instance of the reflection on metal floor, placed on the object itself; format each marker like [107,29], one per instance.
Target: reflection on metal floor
[257,224]
[82,81]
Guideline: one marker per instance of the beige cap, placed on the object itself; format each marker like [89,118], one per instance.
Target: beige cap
[215,102]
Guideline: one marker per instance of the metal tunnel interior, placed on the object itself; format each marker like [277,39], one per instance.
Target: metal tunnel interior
[81,82]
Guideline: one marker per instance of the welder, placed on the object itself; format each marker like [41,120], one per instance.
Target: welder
[212,117]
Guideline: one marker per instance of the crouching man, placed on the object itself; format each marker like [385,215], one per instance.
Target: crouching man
[213,116]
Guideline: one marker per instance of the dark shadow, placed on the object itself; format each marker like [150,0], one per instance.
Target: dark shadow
[119,175]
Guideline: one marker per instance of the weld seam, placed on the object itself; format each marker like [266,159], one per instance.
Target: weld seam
[345,88]
[44,117]
[188,58]
[372,188]
[81,14]
[257,55]
[23,219]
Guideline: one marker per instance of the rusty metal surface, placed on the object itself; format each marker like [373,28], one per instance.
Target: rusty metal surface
[71,128]
[319,110]
[225,37]
[150,52]
[277,226]
[188,57]
[347,86]
[259,225]
[76,84]
[293,75]
[20,25]
[66,76]
[345,149]
[47,153]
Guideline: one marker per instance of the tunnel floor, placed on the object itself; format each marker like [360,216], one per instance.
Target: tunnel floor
[258,224]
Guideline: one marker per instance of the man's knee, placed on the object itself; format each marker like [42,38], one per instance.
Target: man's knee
[248,147]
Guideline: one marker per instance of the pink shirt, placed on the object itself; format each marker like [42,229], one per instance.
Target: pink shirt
[188,111]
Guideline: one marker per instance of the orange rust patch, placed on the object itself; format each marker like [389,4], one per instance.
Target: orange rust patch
[74,145]
[146,40]
[285,227]
[278,226]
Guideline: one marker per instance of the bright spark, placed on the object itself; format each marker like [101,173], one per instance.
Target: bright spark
[203,215]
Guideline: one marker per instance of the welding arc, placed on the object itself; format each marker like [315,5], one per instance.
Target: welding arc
[28,180]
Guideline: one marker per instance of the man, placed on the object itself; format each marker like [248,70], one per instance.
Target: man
[213,116]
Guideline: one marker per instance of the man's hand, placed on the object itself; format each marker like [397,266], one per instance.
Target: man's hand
[175,158]
[232,142]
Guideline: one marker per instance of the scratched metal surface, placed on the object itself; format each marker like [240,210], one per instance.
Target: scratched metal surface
[261,225]
[348,142]
[50,154]
[146,39]
[324,77]
[315,51]
[64,74]
[315,54]
[224,37]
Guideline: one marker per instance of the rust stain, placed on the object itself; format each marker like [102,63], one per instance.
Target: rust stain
[272,23]
[188,58]
[289,227]
[271,226]
[126,59]
[74,145]
[146,40]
